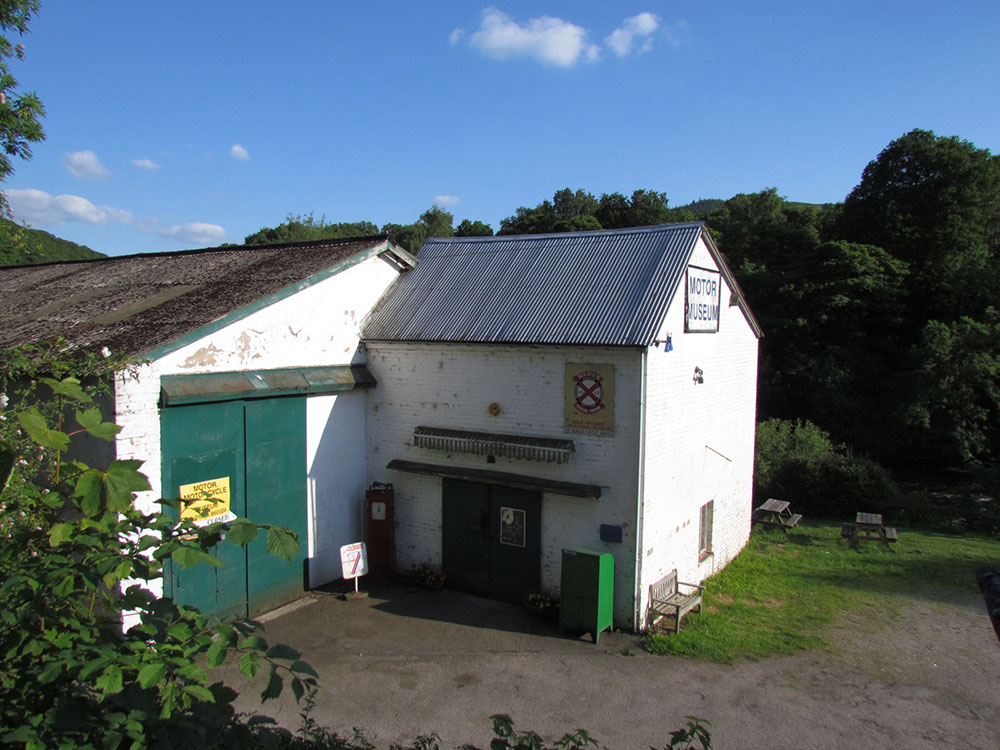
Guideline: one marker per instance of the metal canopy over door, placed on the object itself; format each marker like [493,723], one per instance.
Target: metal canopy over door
[259,446]
[491,539]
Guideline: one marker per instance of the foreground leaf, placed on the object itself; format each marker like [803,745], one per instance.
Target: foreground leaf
[282,543]
[38,430]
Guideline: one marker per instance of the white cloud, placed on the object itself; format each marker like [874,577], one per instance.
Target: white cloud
[447,200]
[637,28]
[149,164]
[39,207]
[455,36]
[43,209]
[551,41]
[197,232]
[85,165]
[239,153]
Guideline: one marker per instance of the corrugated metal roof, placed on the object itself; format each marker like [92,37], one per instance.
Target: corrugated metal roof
[610,287]
[137,303]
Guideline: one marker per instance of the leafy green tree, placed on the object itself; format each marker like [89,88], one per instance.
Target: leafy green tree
[434,222]
[644,208]
[957,404]
[473,229]
[20,112]
[933,202]
[77,557]
[833,332]
[568,211]
[299,228]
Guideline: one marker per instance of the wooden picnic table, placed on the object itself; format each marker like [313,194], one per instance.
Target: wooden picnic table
[868,526]
[775,513]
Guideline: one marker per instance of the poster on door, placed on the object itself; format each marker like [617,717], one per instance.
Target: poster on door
[206,502]
[513,528]
[590,398]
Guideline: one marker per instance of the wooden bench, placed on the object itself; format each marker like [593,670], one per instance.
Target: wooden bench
[889,533]
[666,599]
[775,513]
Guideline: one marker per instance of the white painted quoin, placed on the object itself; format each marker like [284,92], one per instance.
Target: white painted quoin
[684,405]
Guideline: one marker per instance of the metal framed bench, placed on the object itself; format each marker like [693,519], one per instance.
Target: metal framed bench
[666,599]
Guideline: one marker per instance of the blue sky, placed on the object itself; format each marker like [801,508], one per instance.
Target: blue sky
[188,124]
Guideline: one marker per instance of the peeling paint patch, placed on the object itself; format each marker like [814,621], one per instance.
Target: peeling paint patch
[244,342]
[204,357]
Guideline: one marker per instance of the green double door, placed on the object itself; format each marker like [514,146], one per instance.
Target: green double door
[259,448]
[491,539]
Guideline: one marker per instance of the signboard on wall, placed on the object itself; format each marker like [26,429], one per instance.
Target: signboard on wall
[704,292]
[590,398]
[206,502]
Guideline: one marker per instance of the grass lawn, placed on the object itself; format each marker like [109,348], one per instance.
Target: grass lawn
[779,595]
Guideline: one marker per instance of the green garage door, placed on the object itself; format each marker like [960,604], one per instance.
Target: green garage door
[258,446]
[491,539]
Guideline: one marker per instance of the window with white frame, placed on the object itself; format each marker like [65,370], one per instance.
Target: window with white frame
[705,529]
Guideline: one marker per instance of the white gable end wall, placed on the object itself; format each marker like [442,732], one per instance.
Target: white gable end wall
[452,386]
[316,326]
[699,442]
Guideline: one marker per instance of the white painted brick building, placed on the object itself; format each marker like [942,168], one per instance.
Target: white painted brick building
[523,395]
[478,341]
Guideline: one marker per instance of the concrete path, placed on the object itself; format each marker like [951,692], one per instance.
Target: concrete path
[407,661]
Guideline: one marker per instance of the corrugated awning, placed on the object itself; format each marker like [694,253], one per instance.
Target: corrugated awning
[177,390]
[526,447]
[521,481]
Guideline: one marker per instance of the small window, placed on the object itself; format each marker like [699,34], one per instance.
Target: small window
[705,529]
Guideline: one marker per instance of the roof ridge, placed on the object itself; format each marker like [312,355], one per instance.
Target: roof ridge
[590,233]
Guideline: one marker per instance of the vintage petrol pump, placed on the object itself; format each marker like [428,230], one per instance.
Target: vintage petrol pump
[380,536]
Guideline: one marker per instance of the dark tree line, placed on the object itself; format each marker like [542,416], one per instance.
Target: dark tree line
[880,313]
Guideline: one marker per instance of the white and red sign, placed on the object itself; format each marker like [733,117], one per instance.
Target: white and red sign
[354,560]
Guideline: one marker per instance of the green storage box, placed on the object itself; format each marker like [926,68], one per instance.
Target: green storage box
[587,595]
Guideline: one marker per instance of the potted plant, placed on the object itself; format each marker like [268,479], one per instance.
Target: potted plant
[543,606]
[426,576]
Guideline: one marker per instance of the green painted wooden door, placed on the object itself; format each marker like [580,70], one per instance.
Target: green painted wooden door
[259,446]
[200,443]
[491,539]
[465,536]
[276,494]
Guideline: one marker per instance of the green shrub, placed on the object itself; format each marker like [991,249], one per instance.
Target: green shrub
[796,461]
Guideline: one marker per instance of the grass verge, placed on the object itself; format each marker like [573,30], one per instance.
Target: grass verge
[781,592]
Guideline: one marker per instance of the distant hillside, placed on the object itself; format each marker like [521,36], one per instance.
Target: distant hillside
[22,246]
[702,207]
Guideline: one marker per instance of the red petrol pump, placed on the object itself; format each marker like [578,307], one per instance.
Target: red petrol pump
[379,525]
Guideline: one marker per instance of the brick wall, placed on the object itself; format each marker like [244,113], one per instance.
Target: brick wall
[441,385]
[699,442]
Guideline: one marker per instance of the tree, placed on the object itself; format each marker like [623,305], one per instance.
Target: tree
[299,228]
[434,222]
[957,406]
[77,555]
[645,208]
[473,229]
[933,202]
[19,111]
[568,211]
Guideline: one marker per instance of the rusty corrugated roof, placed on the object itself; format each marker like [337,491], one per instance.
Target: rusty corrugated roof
[610,287]
[138,303]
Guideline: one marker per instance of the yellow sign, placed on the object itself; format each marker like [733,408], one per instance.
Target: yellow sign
[206,502]
[590,398]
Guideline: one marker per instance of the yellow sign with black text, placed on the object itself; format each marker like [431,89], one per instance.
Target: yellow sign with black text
[206,502]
